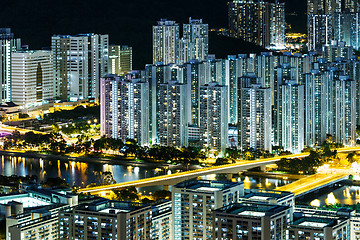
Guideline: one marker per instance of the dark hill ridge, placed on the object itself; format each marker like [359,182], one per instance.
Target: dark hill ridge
[126,21]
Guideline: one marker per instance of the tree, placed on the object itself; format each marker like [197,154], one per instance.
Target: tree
[350,157]
[161,194]
[127,194]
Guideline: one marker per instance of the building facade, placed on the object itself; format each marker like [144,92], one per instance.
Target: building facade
[79,63]
[166,42]
[120,59]
[193,203]
[214,117]
[8,45]
[124,109]
[32,78]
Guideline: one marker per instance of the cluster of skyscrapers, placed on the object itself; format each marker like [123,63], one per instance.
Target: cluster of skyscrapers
[259,22]
[198,209]
[70,71]
[286,100]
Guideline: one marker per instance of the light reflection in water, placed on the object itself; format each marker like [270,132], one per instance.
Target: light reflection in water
[346,195]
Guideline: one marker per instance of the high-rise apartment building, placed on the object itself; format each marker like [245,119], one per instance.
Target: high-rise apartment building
[290,117]
[320,27]
[8,45]
[254,123]
[172,114]
[259,22]
[347,28]
[337,50]
[344,111]
[193,202]
[317,108]
[195,40]
[124,109]
[214,117]
[120,59]
[156,74]
[32,78]
[277,25]
[79,63]
[166,42]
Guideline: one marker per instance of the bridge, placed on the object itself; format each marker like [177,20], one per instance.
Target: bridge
[172,179]
[312,183]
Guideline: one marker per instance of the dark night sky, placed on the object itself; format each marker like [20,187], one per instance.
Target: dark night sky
[126,21]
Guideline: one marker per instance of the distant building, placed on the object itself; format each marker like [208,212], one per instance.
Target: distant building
[336,50]
[32,78]
[120,59]
[195,41]
[290,117]
[255,121]
[166,42]
[124,109]
[262,23]
[8,45]
[214,117]
[193,203]
[172,114]
[79,63]
[156,74]
[320,27]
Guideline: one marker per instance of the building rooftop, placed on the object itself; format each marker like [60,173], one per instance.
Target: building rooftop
[26,199]
[207,185]
[315,222]
[112,207]
[252,209]
[264,195]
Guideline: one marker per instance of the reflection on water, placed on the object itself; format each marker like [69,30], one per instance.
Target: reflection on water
[263,182]
[82,174]
[75,173]
[346,195]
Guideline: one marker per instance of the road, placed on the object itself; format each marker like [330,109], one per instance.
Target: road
[312,182]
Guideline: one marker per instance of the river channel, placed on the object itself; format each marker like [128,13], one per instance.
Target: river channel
[82,174]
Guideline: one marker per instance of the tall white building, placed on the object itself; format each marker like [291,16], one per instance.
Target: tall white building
[344,111]
[195,40]
[255,119]
[290,119]
[317,109]
[8,45]
[166,42]
[214,122]
[32,78]
[193,202]
[156,74]
[320,27]
[172,118]
[79,63]
[124,109]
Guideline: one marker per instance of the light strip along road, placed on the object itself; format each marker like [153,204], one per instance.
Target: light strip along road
[312,183]
[179,177]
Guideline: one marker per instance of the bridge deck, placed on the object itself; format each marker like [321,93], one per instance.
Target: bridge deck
[311,183]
